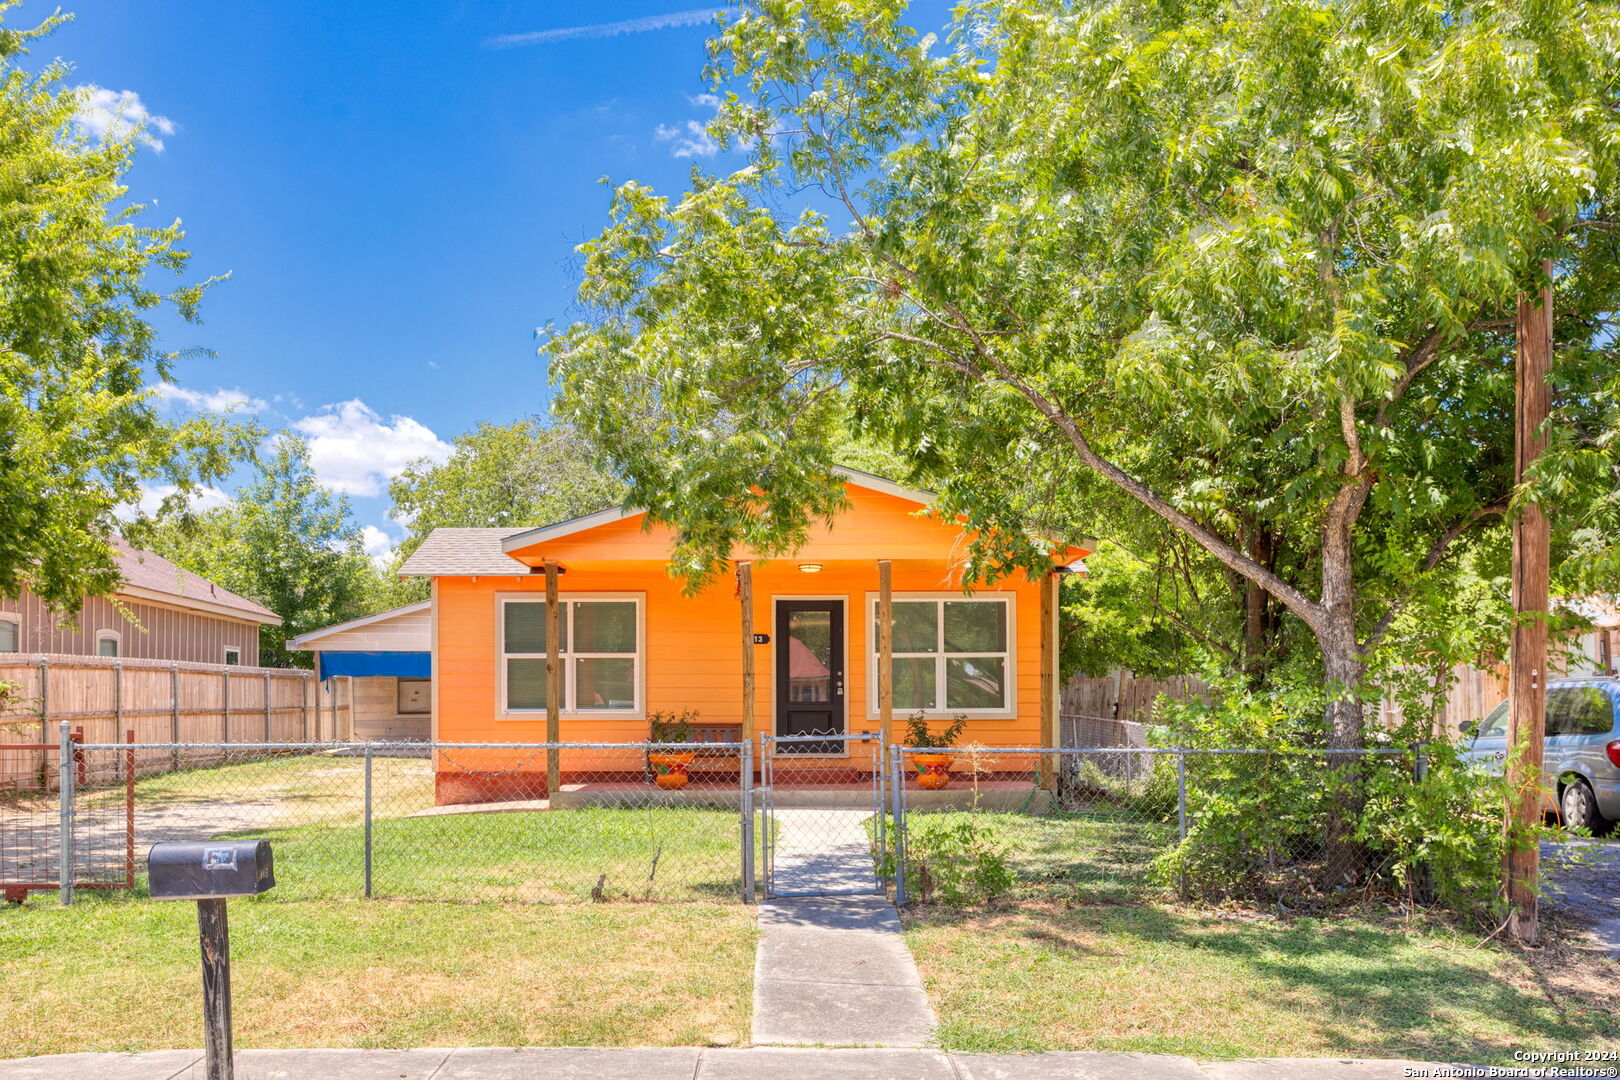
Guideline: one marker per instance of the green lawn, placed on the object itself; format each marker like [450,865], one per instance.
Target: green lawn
[665,853]
[1090,856]
[122,975]
[1160,980]
[311,808]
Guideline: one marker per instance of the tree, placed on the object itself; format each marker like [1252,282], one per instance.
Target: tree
[1238,272]
[531,472]
[78,430]
[286,542]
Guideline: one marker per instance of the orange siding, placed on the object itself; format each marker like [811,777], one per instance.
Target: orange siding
[693,653]
[876,526]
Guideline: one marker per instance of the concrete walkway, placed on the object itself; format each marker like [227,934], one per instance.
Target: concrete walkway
[689,1063]
[835,971]
[822,850]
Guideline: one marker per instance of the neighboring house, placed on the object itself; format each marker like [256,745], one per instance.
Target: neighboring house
[159,612]
[387,656]
[632,643]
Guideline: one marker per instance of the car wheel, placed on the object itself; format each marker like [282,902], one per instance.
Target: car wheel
[1580,808]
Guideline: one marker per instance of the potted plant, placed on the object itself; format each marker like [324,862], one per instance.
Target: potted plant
[671,766]
[933,770]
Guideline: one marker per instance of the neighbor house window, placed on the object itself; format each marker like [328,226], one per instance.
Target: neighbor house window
[106,643]
[414,696]
[233,656]
[10,634]
[950,655]
[599,648]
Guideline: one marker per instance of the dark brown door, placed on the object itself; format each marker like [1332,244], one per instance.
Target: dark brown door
[810,672]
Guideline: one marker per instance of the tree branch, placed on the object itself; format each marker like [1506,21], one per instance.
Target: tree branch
[1437,551]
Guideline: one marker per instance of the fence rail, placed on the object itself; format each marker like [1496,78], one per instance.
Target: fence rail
[180,707]
[592,822]
[414,821]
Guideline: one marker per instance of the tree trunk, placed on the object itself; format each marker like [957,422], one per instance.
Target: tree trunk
[1344,669]
[1257,613]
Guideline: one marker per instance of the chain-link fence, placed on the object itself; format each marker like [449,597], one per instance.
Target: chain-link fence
[540,823]
[1116,824]
[819,815]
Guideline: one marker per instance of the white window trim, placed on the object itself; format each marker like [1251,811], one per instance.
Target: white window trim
[565,659]
[1008,711]
[225,655]
[115,637]
[14,619]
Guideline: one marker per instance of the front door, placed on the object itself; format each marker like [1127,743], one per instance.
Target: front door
[810,672]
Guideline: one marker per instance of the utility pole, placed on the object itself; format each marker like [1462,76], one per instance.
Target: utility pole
[1527,668]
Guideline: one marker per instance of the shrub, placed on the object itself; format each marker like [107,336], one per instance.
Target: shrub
[1261,826]
[956,859]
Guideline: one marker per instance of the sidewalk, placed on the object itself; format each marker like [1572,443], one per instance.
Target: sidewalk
[835,971]
[688,1063]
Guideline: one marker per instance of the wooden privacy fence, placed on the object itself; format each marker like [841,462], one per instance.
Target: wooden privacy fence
[162,702]
[1127,697]
[1106,711]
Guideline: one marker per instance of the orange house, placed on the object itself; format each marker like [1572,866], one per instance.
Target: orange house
[631,644]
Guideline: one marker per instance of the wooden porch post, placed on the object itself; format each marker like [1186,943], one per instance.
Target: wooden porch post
[885,672]
[553,679]
[1049,680]
[745,601]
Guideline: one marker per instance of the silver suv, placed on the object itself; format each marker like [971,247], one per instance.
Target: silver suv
[1580,756]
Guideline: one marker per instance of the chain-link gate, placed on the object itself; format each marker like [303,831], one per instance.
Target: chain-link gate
[822,828]
[61,840]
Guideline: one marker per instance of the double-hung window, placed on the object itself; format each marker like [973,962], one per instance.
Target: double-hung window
[950,655]
[599,647]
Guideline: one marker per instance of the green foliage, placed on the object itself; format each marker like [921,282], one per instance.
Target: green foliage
[1232,280]
[919,734]
[671,726]
[286,542]
[956,859]
[1126,612]
[78,430]
[1444,832]
[1429,823]
[527,473]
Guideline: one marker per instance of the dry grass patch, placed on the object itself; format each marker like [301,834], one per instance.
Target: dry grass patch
[123,975]
[1212,986]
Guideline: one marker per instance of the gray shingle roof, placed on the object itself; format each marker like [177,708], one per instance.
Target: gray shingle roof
[463,553]
[146,570]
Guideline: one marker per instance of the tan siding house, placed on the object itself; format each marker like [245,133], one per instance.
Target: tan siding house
[393,699]
[160,612]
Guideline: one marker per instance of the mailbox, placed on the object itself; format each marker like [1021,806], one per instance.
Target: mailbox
[210,870]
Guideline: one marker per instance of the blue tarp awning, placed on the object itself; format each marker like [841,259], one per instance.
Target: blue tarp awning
[410,665]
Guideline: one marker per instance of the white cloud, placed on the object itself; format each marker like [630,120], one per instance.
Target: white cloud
[353,451]
[222,400]
[610,29]
[378,544]
[113,114]
[692,140]
[152,496]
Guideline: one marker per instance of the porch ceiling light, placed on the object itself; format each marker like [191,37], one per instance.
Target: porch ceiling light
[810,567]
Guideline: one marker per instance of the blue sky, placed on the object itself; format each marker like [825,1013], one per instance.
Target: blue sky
[394,190]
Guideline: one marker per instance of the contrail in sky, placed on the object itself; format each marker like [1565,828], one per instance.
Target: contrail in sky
[599,30]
